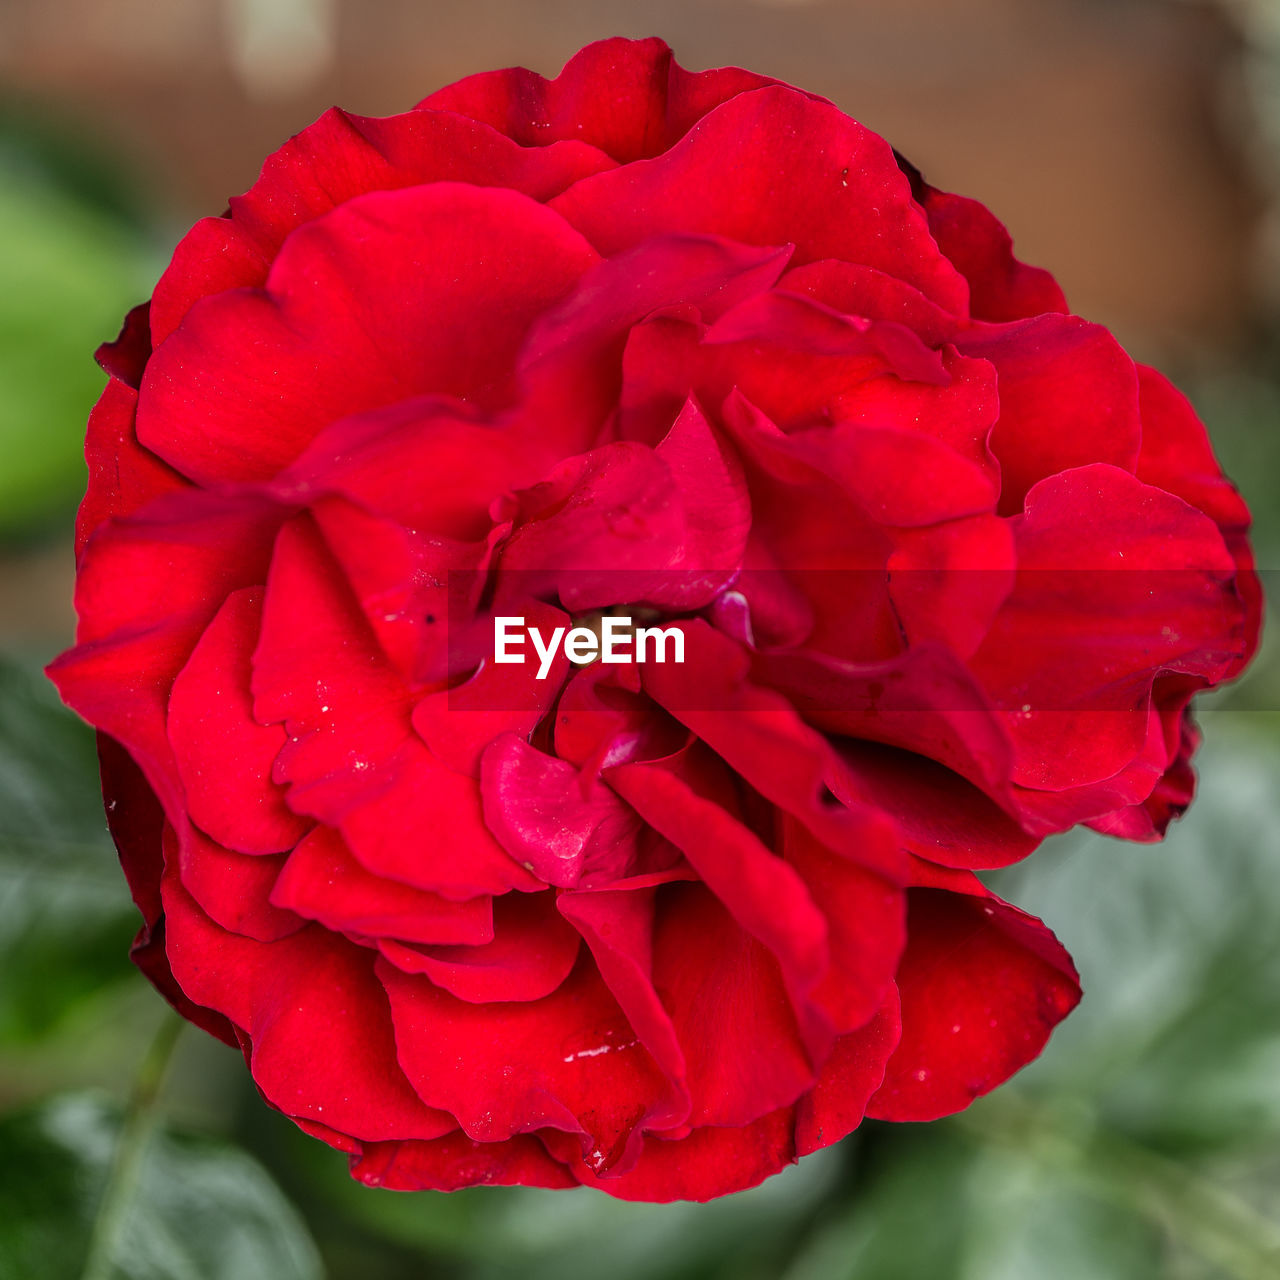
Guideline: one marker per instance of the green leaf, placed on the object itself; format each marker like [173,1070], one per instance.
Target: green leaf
[199,1211]
[66,918]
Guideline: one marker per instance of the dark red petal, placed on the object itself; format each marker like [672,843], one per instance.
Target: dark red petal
[795,322]
[322,881]
[216,255]
[760,736]
[1000,287]
[352,759]
[400,578]
[458,724]
[459,463]
[958,413]
[710,1162]
[803,174]
[251,375]
[1176,454]
[532,952]
[603,527]
[725,994]
[762,892]
[337,158]
[123,476]
[630,98]
[126,357]
[857,290]
[318,1026]
[1116,582]
[948,581]
[618,926]
[865,928]
[713,492]
[924,701]
[136,822]
[223,755]
[427,829]
[571,363]
[1068,398]
[455,1161]
[180,559]
[318,669]
[902,478]
[569,1061]
[982,986]
[603,718]
[1176,788]
[852,1073]
[232,889]
[813,541]
[941,816]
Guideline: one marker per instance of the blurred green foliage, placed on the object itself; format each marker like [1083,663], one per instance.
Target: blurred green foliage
[75,258]
[196,1208]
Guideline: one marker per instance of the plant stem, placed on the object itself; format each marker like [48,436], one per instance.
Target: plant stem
[135,1130]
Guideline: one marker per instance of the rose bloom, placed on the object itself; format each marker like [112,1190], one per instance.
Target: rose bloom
[697,348]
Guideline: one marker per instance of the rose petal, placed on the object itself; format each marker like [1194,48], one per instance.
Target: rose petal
[318,1027]
[569,1061]
[805,174]
[1068,398]
[322,881]
[223,755]
[339,157]
[454,1161]
[650,101]
[982,986]
[532,952]
[233,393]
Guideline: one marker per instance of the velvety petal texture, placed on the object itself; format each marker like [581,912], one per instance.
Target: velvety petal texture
[912,568]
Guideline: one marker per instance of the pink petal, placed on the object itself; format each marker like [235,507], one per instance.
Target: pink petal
[552,819]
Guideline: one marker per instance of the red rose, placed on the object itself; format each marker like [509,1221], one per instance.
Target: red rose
[947,566]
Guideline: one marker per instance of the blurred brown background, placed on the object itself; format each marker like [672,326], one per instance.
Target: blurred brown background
[1097,129]
[1121,141]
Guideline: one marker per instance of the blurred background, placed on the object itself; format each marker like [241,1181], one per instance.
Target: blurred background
[1133,147]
